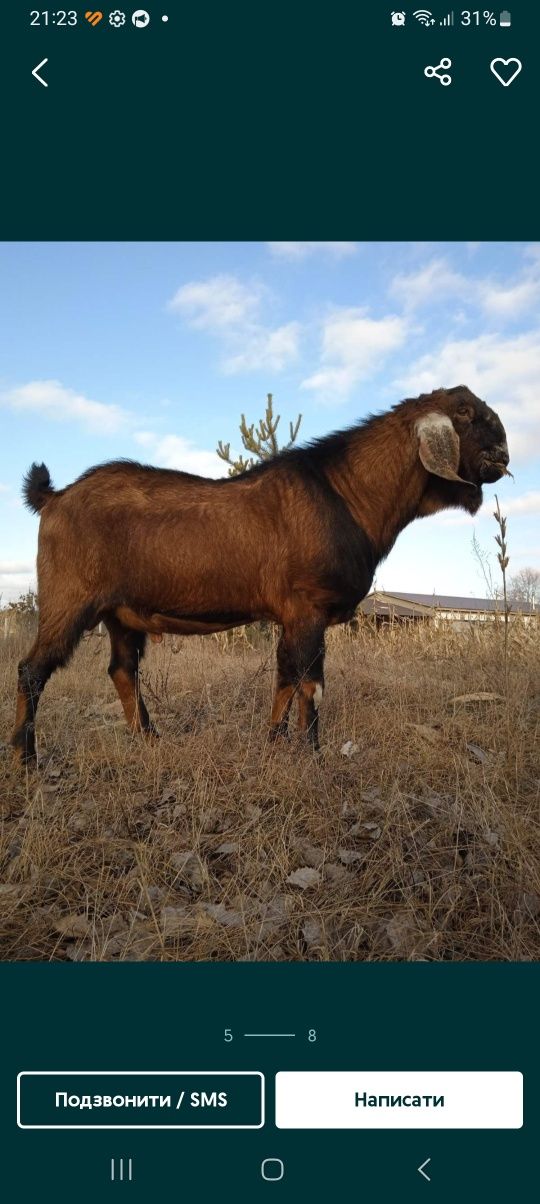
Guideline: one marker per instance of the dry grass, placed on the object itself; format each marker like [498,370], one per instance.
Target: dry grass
[418,846]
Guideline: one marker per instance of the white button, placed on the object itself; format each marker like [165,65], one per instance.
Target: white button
[358,1099]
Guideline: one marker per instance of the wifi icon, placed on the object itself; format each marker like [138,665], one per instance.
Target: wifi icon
[424,17]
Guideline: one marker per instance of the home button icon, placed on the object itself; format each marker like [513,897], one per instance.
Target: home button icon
[272,1169]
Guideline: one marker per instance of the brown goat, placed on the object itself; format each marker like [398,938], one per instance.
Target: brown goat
[295,540]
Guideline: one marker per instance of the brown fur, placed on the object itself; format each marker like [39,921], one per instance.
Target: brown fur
[295,541]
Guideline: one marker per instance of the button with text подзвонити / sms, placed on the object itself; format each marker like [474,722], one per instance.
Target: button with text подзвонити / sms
[140,1099]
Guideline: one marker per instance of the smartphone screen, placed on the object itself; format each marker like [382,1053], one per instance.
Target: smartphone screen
[269,603]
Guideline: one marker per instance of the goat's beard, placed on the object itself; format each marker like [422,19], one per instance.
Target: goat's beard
[472,498]
[450,495]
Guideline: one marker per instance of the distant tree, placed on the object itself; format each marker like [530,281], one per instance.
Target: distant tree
[26,604]
[524,587]
[261,440]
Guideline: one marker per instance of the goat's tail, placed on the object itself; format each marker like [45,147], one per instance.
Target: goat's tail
[37,487]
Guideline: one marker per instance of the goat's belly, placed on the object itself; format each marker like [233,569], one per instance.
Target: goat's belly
[165,624]
[202,587]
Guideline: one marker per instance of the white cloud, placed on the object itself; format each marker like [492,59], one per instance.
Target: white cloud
[51,399]
[524,506]
[229,309]
[15,578]
[501,302]
[455,518]
[354,347]
[9,568]
[219,303]
[505,372]
[173,451]
[528,503]
[435,281]
[4,488]
[273,350]
[301,250]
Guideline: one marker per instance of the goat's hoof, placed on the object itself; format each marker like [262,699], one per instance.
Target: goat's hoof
[308,744]
[23,743]
[24,757]
[279,731]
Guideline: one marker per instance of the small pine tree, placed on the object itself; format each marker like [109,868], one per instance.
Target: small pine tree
[261,440]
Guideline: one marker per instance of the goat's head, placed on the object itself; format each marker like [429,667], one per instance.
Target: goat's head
[461,439]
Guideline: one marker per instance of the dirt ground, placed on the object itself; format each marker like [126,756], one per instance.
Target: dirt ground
[414,835]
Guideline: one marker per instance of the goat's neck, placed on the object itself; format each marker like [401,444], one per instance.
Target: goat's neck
[382,481]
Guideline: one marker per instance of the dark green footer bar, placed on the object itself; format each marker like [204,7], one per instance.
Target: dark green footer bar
[192,1028]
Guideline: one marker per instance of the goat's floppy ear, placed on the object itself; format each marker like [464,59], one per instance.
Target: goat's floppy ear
[438,446]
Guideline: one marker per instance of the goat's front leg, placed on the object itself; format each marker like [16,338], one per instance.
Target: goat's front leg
[310,694]
[301,672]
[284,691]
[310,688]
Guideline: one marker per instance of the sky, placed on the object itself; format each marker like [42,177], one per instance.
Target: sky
[153,350]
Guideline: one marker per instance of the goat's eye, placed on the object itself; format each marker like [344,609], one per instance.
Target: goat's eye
[463,411]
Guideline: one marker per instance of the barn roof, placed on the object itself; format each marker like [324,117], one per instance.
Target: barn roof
[382,601]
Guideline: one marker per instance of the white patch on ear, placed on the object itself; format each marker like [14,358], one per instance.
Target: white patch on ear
[438,445]
[432,421]
[317,696]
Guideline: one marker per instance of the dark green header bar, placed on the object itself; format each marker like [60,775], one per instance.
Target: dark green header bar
[242,122]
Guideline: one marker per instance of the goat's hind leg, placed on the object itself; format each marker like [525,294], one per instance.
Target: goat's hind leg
[47,654]
[127,649]
[33,673]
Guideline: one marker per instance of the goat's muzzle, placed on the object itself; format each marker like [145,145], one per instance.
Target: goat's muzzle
[494,464]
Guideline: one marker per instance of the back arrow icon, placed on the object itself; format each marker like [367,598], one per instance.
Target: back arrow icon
[38,77]
[421,1170]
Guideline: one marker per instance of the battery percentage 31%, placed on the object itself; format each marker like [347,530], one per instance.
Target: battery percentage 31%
[478,17]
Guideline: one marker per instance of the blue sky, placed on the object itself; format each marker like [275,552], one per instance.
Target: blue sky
[152,351]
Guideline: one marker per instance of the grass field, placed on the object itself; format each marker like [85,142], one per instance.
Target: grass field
[422,844]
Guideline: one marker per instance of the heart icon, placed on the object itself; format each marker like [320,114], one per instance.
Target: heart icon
[506,79]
